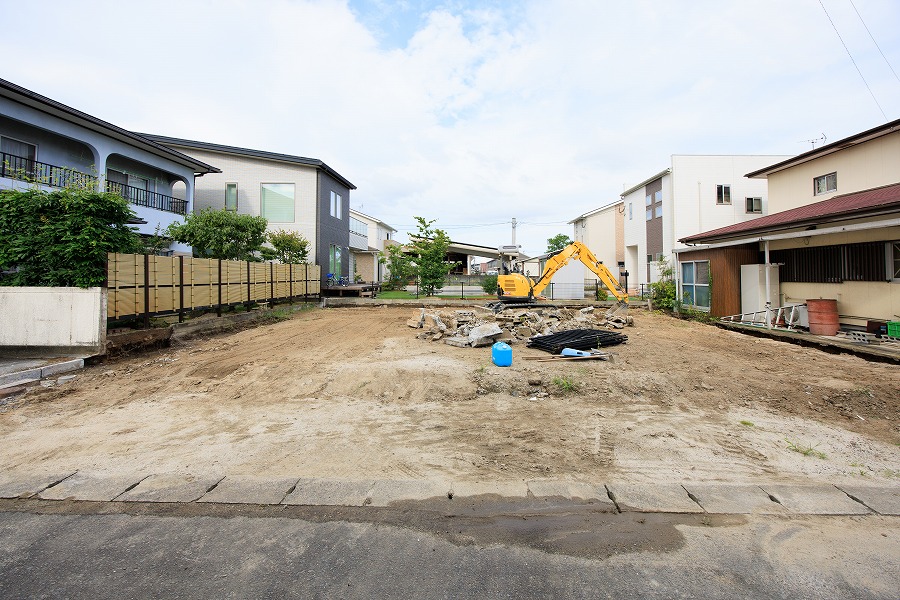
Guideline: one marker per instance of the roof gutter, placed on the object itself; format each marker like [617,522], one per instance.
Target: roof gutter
[794,234]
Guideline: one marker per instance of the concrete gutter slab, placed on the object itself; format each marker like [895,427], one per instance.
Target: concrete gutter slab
[331,492]
[387,492]
[239,489]
[883,500]
[20,377]
[815,500]
[734,499]
[28,485]
[169,488]
[653,497]
[505,489]
[97,488]
[571,490]
[62,367]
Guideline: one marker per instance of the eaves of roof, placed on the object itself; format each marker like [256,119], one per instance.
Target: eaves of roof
[662,173]
[856,205]
[595,211]
[262,154]
[45,105]
[379,221]
[827,149]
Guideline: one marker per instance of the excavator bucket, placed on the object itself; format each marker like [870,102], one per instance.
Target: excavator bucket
[619,309]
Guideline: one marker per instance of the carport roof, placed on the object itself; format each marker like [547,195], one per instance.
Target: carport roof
[867,203]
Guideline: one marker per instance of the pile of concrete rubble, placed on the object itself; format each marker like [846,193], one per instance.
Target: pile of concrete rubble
[482,327]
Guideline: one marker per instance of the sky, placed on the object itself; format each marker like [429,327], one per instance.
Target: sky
[471,113]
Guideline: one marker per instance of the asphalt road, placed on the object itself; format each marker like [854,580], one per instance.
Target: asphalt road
[66,549]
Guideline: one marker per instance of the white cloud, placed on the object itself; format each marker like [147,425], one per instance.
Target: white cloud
[485,111]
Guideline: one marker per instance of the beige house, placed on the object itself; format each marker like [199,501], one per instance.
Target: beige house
[603,231]
[833,232]
[368,239]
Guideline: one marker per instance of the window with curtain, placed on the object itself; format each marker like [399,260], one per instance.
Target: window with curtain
[18,155]
[277,202]
[723,194]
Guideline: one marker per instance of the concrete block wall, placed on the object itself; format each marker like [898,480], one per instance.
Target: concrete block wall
[61,319]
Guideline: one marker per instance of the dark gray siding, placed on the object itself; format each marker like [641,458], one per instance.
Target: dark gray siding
[332,230]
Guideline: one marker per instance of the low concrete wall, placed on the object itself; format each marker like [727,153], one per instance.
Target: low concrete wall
[58,320]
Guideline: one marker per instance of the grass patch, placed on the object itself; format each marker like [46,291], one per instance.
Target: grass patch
[396,295]
[805,450]
[747,423]
[565,385]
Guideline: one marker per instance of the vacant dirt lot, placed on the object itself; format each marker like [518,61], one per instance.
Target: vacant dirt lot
[351,393]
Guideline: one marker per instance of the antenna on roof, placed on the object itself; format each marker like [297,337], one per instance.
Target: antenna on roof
[815,141]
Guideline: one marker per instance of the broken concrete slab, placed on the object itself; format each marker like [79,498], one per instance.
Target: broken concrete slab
[883,500]
[26,485]
[241,489]
[417,319]
[387,492]
[169,488]
[506,489]
[93,487]
[734,499]
[571,490]
[459,342]
[484,335]
[815,499]
[331,492]
[653,497]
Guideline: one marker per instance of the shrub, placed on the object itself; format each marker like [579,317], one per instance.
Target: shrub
[489,284]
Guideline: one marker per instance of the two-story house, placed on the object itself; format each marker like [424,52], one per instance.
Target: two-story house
[50,144]
[695,193]
[293,193]
[834,234]
[368,238]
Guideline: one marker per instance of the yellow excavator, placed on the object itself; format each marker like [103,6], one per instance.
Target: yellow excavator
[516,287]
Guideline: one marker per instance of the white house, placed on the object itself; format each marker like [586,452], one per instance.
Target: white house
[603,231]
[695,193]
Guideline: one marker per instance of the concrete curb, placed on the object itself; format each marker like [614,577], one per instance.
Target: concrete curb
[691,497]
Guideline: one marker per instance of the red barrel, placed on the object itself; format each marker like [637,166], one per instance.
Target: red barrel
[823,316]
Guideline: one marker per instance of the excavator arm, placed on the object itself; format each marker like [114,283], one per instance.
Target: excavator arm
[518,285]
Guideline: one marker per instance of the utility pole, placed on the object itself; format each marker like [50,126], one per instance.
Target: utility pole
[514,231]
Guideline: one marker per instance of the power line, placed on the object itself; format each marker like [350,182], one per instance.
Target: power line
[874,42]
[852,60]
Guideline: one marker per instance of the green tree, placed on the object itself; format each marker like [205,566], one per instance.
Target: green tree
[288,247]
[399,266]
[489,284]
[430,250]
[558,242]
[62,237]
[221,234]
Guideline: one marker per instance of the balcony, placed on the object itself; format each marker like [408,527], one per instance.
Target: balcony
[32,171]
[143,197]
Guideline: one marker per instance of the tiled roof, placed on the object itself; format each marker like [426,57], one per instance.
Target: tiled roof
[856,204]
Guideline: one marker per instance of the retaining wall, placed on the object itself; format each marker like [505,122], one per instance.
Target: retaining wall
[52,320]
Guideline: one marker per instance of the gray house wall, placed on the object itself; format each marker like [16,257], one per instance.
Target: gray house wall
[332,230]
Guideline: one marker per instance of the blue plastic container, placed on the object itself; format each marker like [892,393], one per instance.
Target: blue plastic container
[501,354]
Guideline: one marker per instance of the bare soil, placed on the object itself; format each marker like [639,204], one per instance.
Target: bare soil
[351,393]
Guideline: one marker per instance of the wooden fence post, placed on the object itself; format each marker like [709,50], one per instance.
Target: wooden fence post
[271,284]
[181,289]
[291,284]
[219,305]
[248,285]
[146,291]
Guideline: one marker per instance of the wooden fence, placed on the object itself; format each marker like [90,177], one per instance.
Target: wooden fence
[144,285]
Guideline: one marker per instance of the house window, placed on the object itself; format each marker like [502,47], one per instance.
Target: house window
[658,210]
[723,194]
[657,196]
[648,200]
[231,196]
[17,156]
[894,260]
[336,205]
[334,260]
[832,264]
[695,283]
[277,200]
[754,205]
[825,184]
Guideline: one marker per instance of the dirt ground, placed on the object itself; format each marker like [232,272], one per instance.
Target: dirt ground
[351,393]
